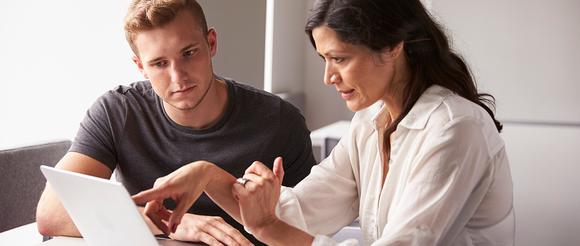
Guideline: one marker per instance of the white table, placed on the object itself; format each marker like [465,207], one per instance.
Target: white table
[73,241]
[23,235]
[27,235]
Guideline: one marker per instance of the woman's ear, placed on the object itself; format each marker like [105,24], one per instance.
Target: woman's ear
[398,49]
[392,53]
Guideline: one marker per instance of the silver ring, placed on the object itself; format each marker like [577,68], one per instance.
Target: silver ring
[242,181]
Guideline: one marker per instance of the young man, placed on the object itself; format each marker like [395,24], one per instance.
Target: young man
[182,113]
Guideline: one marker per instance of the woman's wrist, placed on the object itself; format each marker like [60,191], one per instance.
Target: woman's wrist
[278,232]
[266,230]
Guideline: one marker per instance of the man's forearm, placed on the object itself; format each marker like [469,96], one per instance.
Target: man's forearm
[52,218]
[219,189]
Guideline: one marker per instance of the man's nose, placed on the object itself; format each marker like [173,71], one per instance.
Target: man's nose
[178,73]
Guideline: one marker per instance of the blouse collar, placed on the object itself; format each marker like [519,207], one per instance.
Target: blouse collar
[421,112]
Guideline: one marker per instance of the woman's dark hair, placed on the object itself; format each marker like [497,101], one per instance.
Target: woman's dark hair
[380,24]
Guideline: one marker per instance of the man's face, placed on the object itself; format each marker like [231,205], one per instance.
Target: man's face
[176,58]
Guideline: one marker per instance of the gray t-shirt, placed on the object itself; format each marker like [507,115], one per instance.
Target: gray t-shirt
[127,129]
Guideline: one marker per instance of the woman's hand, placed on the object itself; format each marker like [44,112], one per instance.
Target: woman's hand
[258,198]
[184,186]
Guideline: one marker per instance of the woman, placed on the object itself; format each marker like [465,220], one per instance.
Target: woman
[422,163]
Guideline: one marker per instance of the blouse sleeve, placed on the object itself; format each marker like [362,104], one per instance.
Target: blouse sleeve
[327,199]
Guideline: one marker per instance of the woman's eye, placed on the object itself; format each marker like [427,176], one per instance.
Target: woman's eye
[338,59]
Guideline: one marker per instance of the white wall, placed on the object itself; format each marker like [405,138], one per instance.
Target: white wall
[288,40]
[240,27]
[57,57]
[545,165]
[525,52]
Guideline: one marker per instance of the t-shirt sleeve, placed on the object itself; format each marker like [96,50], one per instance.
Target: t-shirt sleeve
[98,133]
[298,156]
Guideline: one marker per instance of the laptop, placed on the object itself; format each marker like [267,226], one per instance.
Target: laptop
[101,209]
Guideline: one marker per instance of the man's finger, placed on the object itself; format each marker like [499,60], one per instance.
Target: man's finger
[219,234]
[209,240]
[232,233]
[159,223]
[152,210]
[178,212]
[165,214]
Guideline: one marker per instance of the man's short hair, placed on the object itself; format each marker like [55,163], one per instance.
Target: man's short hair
[145,15]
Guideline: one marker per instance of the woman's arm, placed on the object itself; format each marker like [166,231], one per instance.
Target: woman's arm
[280,233]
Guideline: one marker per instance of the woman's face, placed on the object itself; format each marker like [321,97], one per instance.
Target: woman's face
[361,76]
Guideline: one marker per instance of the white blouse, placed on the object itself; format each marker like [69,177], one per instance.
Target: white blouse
[448,182]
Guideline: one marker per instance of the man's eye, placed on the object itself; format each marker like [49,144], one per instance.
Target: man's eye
[160,64]
[190,53]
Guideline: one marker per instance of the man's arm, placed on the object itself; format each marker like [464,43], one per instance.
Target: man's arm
[51,217]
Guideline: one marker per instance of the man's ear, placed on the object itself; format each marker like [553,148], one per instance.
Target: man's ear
[212,41]
[139,64]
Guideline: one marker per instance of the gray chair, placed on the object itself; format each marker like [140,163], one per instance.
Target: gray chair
[22,182]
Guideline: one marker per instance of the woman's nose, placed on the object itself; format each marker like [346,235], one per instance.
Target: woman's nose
[330,76]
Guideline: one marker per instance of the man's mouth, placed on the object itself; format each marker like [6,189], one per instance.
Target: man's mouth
[184,90]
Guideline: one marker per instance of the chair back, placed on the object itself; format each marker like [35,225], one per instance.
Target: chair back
[21,181]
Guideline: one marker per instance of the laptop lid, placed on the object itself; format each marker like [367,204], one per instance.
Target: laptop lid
[102,209]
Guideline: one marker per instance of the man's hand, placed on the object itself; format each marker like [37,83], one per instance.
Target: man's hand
[183,186]
[209,230]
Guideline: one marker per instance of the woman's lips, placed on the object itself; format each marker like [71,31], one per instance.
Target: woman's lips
[346,95]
